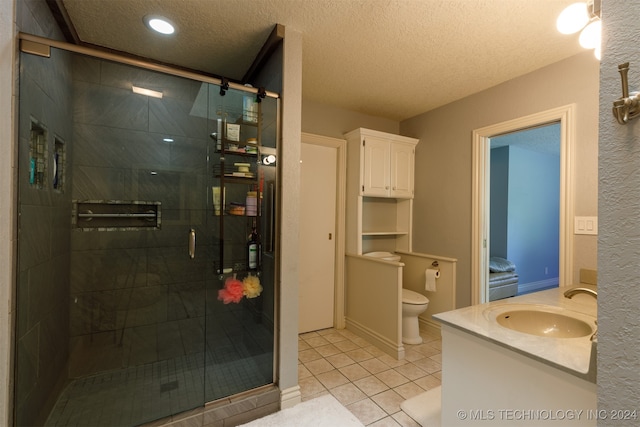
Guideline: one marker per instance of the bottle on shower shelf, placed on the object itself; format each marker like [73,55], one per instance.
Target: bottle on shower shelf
[253,249]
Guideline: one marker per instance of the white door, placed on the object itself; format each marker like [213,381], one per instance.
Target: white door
[318,172]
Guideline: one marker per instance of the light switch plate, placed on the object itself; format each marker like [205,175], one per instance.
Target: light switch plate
[586,225]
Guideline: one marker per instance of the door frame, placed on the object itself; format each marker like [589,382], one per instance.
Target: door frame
[480,194]
[341,147]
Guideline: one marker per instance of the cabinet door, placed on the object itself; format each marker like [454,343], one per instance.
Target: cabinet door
[402,164]
[376,170]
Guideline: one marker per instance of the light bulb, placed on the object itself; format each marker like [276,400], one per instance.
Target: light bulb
[590,36]
[573,18]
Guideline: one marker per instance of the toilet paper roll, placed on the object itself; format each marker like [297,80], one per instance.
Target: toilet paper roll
[431,275]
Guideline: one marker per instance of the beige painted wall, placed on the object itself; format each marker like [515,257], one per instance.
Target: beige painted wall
[442,208]
[326,120]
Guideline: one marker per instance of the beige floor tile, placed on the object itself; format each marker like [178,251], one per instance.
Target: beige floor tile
[405,420]
[309,335]
[319,366]
[428,365]
[367,411]
[332,379]
[302,345]
[366,380]
[392,378]
[412,355]
[310,386]
[316,341]
[375,351]
[392,361]
[308,355]
[359,354]
[374,365]
[411,371]
[348,394]
[371,385]
[428,382]
[409,390]
[334,337]
[346,345]
[354,372]
[426,350]
[303,372]
[340,360]
[385,422]
[347,334]
[360,342]
[328,350]
[312,396]
[389,401]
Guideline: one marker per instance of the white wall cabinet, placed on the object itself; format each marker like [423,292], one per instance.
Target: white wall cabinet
[387,164]
[380,176]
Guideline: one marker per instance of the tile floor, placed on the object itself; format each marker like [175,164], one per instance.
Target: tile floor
[368,382]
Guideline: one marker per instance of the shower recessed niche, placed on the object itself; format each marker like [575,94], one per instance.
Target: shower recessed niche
[58,162]
[37,155]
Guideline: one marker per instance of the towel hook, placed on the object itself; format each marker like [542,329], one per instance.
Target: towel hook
[434,263]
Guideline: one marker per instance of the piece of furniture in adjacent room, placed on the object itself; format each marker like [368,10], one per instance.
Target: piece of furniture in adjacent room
[503,279]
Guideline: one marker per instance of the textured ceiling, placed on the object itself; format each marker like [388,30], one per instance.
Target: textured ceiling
[388,58]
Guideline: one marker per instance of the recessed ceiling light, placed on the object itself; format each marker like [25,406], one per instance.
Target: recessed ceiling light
[159,24]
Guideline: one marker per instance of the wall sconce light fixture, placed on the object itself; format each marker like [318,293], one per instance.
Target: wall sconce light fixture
[583,16]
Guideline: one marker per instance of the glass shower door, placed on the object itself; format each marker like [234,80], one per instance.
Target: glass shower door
[240,297]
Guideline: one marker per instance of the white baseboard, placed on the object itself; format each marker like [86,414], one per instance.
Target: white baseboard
[524,288]
[383,343]
[429,325]
[290,397]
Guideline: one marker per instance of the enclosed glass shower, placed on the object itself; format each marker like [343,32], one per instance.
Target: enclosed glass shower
[137,294]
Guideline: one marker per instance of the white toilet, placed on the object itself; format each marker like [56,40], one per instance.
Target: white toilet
[413,304]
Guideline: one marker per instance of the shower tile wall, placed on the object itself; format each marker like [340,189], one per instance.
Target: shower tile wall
[136,297]
[42,334]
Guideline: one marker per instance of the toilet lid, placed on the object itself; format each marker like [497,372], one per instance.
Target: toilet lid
[411,297]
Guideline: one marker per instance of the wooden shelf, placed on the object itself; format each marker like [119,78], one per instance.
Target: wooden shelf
[385,233]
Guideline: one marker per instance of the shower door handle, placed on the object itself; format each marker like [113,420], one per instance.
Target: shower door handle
[192,243]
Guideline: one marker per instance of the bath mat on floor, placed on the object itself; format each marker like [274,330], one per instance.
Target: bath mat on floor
[324,411]
[424,408]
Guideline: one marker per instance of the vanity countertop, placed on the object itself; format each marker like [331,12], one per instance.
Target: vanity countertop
[572,355]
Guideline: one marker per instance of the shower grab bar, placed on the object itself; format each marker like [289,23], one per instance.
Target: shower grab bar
[116,215]
[192,243]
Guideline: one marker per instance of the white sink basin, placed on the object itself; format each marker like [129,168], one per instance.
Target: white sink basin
[543,323]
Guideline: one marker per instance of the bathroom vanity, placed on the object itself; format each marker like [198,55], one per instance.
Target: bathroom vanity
[497,374]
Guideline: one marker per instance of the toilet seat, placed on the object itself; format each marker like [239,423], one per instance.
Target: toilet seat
[411,297]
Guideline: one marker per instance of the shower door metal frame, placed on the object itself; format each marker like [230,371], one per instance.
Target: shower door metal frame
[42,47]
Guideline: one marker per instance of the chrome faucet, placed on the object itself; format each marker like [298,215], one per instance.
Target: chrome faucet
[573,291]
